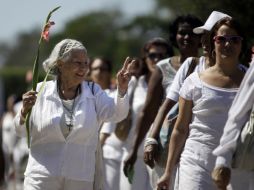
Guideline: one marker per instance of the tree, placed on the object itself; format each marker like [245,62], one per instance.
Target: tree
[241,10]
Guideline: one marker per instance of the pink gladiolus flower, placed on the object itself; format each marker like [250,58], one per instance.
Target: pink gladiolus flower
[45,32]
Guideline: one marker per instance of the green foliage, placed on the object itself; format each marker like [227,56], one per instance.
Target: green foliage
[241,10]
[14,80]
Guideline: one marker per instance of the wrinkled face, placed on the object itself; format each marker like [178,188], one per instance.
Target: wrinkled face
[186,39]
[75,68]
[227,43]
[154,55]
[99,71]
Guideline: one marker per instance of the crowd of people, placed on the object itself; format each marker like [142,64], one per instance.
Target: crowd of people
[90,133]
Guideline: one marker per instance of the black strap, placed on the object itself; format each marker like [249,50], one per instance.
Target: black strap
[92,86]
[194,62]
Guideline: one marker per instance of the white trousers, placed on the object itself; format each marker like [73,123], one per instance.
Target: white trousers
[141,180]
[55,183]
[112,170]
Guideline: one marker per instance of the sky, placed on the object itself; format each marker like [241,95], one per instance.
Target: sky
[23,15]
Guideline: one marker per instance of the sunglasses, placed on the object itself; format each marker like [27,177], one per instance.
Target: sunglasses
[154,56]
[224,39]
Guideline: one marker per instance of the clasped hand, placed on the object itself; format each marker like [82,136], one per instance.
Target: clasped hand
[149,155]
[28,100]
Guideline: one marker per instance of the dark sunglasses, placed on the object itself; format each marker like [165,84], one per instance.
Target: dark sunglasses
[224,39]
[154,56]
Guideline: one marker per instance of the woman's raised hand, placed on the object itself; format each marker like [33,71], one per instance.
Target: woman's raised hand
[124,75]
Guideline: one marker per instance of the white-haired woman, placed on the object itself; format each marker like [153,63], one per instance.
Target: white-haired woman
[65,121]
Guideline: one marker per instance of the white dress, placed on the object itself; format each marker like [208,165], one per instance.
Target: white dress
[210,109]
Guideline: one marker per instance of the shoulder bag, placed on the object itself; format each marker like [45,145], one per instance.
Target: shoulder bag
[168,125]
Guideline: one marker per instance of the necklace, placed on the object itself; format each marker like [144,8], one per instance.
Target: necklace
[69,118]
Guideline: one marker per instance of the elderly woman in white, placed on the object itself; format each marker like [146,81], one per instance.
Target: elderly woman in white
[65,121]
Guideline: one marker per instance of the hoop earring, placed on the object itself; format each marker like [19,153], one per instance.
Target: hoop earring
[213,54]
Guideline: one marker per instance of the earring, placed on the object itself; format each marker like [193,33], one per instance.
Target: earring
[213,54]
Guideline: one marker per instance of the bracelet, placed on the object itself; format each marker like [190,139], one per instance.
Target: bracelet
[150,141]
[120,94]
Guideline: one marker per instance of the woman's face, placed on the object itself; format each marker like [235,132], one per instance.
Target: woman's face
[205,43]
[99,71]
[227,43]
[186,39]
[154,55]
[75,69]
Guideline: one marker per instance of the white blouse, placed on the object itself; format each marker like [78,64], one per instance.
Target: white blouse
[168,73]
[173,91]
[72,157]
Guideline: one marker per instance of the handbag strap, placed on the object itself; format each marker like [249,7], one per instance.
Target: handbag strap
[194,62]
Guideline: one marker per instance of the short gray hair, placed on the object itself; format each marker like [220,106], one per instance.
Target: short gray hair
[61,51]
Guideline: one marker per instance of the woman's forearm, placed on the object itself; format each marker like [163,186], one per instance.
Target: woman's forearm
[160,117]
[180,133]
[177,141]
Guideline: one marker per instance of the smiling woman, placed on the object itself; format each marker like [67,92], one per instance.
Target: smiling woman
[65,120]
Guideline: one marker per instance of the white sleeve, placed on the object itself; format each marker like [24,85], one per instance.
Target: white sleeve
[108,127]
[110,109]
[239,114]
[187,90]
[173,92]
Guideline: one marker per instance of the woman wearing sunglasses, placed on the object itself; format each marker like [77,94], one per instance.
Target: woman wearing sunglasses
[205,99]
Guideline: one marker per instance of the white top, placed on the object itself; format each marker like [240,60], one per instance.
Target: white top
[168,73]
[239,114]
[8,132]
[210,110]
[173,91]
[74,157]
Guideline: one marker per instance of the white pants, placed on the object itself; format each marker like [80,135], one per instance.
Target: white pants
[55,183]
[111,174]
[141,179]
